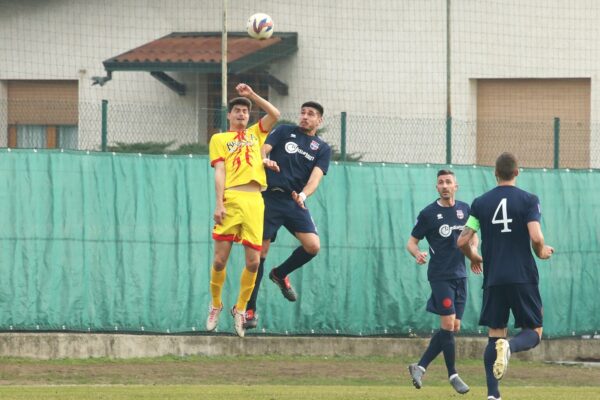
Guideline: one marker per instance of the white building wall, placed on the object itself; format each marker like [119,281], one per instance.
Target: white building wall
[383,62]
[517,39]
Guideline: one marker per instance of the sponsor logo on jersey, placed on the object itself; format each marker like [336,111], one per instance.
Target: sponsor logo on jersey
[460,214]
[293,135]
[241,141]
[314,145]
[446,230]
[292,148]
[440,216]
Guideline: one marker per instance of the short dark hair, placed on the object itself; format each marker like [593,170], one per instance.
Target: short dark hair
[315,105]
[506,165]
[239,101]
[445,172]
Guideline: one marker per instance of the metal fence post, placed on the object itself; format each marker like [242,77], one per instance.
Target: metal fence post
[556,143]
[223,118]
[104,124]
[448,85]
[224,65]
[448,140]
[343,136]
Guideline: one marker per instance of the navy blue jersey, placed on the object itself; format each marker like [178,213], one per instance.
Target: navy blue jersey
[441,226]
[297,154]
[503,214]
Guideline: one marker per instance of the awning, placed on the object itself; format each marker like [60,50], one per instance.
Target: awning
[201,52]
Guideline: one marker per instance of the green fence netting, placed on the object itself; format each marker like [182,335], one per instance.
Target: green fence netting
[122,242]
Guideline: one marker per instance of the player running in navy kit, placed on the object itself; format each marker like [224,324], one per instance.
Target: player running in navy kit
[440,223]
[509,219]
[297,160]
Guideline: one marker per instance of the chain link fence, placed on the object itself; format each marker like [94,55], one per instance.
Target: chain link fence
[176,129]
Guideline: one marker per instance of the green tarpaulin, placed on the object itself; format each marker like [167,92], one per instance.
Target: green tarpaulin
[122,242]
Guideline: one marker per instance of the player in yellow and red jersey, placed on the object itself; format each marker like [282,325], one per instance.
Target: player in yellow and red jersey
[239,179]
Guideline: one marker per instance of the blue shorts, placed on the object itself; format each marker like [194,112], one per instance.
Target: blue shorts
[448,297]
[523,299]
[281,209]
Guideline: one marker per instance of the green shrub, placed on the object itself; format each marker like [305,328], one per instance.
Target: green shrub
[159,148]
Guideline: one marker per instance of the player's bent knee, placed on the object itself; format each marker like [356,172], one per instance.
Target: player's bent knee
[252,267]
[312,248]
[219,264]
[252,264]
[447,323]
[457,325]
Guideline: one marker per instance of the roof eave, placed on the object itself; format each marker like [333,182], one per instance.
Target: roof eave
[287,46]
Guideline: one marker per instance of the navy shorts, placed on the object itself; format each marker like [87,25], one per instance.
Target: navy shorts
[281,209]
[448,297]
[523,299]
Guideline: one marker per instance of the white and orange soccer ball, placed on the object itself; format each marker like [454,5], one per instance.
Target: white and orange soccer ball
[260,26]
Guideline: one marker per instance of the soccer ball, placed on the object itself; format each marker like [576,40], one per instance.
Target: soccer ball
[260,26]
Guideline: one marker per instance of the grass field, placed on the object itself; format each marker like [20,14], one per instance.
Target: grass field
[273,378]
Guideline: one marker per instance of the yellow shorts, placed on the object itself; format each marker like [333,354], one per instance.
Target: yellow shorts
[243,220]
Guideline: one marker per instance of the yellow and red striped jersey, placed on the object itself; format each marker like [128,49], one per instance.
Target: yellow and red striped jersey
[240,151]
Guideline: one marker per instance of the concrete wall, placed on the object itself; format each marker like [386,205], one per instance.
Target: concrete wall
[73,345]
[384,62]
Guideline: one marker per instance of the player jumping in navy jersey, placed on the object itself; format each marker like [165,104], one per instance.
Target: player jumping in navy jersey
[440,223]
[509,219]
[297,160]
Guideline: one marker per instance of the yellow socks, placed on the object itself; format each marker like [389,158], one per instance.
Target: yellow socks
[246,287]
[217,279]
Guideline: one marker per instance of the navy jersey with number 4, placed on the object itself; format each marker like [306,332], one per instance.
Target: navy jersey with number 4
[503,214]
[297,154]
[441,226]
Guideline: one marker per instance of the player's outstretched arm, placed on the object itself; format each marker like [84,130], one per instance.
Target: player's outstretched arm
[313,181]
[220,211]
[537,241]
[413,248]
[273,113]
[265,150]
[476,262]
[465,244]
[475,240]
[465,238]
[311,186]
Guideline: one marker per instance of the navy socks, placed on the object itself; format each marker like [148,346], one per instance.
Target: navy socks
[259,274]
[443,340]
[298,258]
[525,340]
[489,356]
[449,349]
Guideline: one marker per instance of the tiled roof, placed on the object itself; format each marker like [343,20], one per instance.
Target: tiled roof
[201,51]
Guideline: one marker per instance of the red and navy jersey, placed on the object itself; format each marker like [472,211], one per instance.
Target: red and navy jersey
[503,214]
[441,226]
[297,154]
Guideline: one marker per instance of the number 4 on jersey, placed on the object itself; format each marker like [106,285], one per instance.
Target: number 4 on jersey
[505,220]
